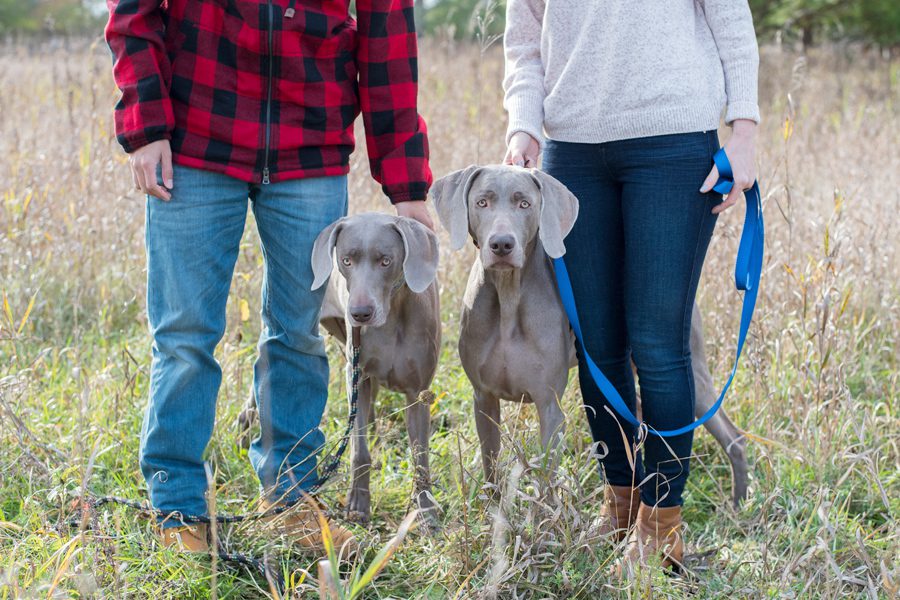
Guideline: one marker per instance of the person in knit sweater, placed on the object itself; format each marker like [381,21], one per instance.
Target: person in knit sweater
[624,100]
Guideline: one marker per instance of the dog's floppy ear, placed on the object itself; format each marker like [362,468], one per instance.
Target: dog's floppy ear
[420,261]
[559,209]
[323,248]
[450,193]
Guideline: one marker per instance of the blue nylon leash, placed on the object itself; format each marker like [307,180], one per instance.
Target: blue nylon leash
[747,271]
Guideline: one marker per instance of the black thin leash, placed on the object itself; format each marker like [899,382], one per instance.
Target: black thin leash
[89,503]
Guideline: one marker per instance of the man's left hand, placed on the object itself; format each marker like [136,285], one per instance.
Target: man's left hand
[415,209]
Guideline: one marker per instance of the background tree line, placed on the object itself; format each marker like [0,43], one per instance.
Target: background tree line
[804,21]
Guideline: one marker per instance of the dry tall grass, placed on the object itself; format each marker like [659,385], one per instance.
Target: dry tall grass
[817,391]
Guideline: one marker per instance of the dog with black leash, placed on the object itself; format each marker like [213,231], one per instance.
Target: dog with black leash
[385,285]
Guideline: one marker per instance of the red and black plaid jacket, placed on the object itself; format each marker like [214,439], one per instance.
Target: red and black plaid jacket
[269,90]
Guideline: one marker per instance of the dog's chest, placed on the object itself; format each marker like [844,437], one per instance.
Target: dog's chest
[515,358]
[399,357]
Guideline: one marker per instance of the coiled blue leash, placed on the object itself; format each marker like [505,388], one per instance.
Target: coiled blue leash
[747,271]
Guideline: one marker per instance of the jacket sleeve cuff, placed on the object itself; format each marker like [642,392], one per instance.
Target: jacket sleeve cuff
[410,193]
[741,110]
[134,140]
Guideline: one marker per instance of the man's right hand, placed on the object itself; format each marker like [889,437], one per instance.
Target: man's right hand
[144,162]
[523,151]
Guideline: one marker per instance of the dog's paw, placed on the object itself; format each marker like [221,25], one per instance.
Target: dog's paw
[429,512]
[358,508]
[355,516]
[430,521]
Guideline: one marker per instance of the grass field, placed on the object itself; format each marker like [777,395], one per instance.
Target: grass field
[817,391]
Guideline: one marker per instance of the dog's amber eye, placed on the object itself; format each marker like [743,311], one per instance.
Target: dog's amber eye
[524,204]
[386,261]
[481,203]
[345,261]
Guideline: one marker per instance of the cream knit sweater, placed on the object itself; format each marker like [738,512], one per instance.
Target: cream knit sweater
[601,70]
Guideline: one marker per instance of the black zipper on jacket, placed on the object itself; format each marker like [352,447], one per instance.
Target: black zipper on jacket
[271,34]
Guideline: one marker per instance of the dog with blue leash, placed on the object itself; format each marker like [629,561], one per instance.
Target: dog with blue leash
[515,340]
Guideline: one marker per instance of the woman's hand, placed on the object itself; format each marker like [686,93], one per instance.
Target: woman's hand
[523,150]
[741,151]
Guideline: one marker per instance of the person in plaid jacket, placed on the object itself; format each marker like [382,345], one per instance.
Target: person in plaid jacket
[225,101]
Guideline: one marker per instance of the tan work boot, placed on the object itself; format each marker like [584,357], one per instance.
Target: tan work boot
[657,532]
[620,510]
[301,524]
[186,538]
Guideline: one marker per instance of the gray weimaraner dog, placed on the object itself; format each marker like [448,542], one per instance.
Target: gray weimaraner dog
[515,342]
[386,286]
[387,267]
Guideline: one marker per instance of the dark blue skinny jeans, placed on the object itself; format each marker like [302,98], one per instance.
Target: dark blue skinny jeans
[634,257]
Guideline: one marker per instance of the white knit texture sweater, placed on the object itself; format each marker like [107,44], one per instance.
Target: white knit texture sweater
[595,71]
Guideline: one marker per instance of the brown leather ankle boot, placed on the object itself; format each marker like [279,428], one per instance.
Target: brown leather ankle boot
[620,509]
[657,532]
[301,524]
[186,538]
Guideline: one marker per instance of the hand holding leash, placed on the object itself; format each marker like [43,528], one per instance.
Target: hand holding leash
[523,151]
[741,150]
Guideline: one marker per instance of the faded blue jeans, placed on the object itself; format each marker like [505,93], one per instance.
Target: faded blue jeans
[634,258]
[192,246]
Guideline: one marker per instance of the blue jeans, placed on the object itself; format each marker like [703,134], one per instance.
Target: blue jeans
[635,256]
[192,245]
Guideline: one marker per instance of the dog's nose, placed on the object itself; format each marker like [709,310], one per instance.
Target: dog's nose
[501,245]
[362,314]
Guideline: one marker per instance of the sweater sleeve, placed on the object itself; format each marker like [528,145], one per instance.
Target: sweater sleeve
[732,28]
[523,82]
[135,34]
[396,135]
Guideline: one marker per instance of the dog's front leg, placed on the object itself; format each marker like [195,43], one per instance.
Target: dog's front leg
[359,500]
[418,426]
[552,422]
[487,422]
[553,427]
